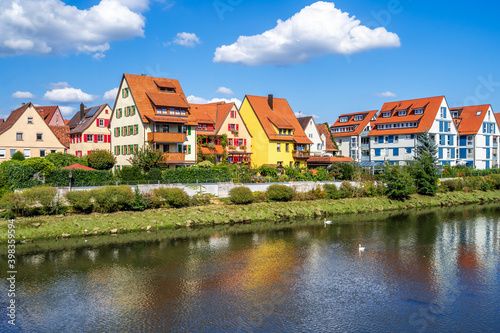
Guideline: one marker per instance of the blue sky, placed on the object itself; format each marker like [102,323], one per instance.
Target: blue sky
[323,63]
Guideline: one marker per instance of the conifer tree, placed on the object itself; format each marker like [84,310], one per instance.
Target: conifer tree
[425,168]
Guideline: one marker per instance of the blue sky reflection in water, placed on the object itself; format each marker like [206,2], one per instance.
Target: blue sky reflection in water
[435,271]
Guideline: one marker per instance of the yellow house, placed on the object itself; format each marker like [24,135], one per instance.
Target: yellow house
[26,131]
[277,137]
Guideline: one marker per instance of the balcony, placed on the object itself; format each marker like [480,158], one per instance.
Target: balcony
[174,157]
[166,137]
[301,155]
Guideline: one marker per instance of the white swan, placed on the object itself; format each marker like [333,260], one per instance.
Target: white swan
[361,248]
[328,222]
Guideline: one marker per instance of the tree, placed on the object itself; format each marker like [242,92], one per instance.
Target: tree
[148,157]
[101,159]
[398,182]
[18,156]
[331,136]
[61,160]
[425,167]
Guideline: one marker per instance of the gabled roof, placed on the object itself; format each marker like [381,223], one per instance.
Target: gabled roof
[211,113]
[145,91]
[62,133]
[281,116]
[13,117]
[468,122]
[323,130]
[424,121]
[304,121]
[358,125]
[46,112]
[78,125]
[222,112]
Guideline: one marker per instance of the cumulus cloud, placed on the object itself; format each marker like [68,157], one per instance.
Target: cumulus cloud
[110,95]
[301,115]
[385,94]
[58,85]
[200,100]
[51,27]
[186,39]
[68,95]
[22,95]
[67,110]
[225,91]
[316,30]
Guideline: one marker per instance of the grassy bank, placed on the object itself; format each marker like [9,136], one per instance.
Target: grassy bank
[48,227]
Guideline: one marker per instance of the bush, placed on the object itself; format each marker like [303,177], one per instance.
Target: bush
[131,173]
[79,177]
[192,175]
[61,160]
[80,200]
[452,185]
[241,195]
[152,199]
[174,197]
[259,196]
[18,156]
[347,190]
[138,203]
[279,192]
[332,192]
[15,202]
[154,174]
[495,181]
[40,164]
[20,176]
[200,199]
[398,181]
[43,200]
[101,159]
[112,198]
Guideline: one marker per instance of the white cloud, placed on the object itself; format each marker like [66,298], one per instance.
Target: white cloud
[98,56]
[58,85]
[110,95]
[22,95]
[41,27]
[67,110]
[316,30]
[186,39]
[385,94]
[68,95]
[225,91]
[301,115]
[200,100]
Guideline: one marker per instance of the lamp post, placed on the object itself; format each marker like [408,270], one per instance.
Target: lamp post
[70,176]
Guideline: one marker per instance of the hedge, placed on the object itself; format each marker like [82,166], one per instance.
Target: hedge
[193,175]
[61,177]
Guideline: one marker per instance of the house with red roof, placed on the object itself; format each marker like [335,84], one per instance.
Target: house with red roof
[478,133]
[350,132]
[222,120]
[51,115]
[317,148]
[153,110]
[277,137]
[394,134]
[89,130]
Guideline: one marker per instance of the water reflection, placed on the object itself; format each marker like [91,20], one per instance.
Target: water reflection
[429,271]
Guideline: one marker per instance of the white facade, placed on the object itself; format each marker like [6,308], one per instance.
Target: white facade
[318,146]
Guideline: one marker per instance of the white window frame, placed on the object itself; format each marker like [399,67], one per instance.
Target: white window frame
[419,111]
[27,153]
[358,117]
[402,113]
[43,152]
[19,134]
[386,114]
[101,122]
[2,152]
[30,120]
[343,119]
[100,138]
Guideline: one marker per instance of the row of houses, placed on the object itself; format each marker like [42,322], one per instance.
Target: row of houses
[263,131]
[464,135]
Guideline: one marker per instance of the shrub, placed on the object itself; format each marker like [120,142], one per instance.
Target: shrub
[152,199]
[15,202]
[279,192]
[80,200]
[138,203]
[398,181]
[42,200]
[130,173]
[101,159]
[332,192]
[347,190]
[20,176]
[112,198]
[86,177]
[495,180]
[259,196]
[319,192]
[200,199]
[205,165]
[452,185]
[154,174]
[18,156]
[193,175]
[241,195]
[174,197]
[40,164]
[61,160]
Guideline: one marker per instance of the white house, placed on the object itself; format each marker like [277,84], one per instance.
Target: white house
[318,146]
[351,134]
[394,135]
[478,130]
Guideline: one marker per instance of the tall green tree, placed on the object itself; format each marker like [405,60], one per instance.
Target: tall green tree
[398,181]
[425,169]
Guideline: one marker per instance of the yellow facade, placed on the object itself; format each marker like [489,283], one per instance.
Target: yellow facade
[264,150]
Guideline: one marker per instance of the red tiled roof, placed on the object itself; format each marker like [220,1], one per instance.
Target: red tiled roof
[62,133]
[467,121]
[211,113]
[359,125]
[323,129]
[66,121]
[78,125]
[222,112]
[13,117]
[497,117]
[78,166]
[281,116]
[329,159]
[46,112]
[145,92]
[167,119]
[431,104]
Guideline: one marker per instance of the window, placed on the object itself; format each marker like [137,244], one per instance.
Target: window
[358,117]
[30,120]
[233,114]
[19,136]
[27,153]
[408,150]
[478,113]
[287,147]
[319,146]
[419,111]
[177,111]
[101,122]
[395,152]
[396,138]
[377,151]
[443,112]
[310,135]
[100,138]
[402,113]
[386,114]
[39,137]
[365,141]
[2,153]
[90,138]
[183,112]
[42,152]
[12,152]
[343,119]
[469,140]
[278,147]
[450,140]
[125,92]
[53,151]
[454,114]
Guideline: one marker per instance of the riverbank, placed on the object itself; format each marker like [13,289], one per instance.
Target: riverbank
[77,225]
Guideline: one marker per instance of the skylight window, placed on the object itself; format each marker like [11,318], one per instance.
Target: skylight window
[478,113]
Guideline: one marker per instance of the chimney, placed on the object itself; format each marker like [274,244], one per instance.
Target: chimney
[82,109]
[270,101]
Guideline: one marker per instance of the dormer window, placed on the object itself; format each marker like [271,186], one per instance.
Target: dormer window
[402,113]
[386,114]
[343,119]
[454,114]
[358,117]
[419,111]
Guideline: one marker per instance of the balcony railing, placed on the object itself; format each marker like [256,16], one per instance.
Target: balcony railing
[301,155]
[174,157]
[166,137]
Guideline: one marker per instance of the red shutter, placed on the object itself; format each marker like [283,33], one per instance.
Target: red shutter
[106,122]
[85,138]
[95,137]
[237,127]
[228,127]
[244,142]
[105,138]
[97,122]
[88,152]
[109,137]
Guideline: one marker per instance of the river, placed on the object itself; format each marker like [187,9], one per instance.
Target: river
[429,271]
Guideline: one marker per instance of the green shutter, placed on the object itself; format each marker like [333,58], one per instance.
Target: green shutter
[133,110]
[179,148]
[136,148]
[189,149]
[179,128]
[189,130]
[136,129]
